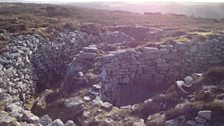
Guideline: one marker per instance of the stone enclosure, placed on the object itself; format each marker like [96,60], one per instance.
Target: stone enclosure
[132,75]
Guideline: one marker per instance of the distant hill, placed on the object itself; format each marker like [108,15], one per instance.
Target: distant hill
[196,9]
[204,10]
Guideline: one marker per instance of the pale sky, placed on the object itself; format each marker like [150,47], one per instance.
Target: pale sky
[133,1]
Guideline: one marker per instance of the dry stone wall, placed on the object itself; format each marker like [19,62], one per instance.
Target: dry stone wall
[131,75]
[32,60]
[51,59]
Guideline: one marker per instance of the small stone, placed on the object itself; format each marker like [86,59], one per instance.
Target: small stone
[57,122]
[196,75]
[70,123]
[80,74]
[96,87]
[148,101]
[107,106]
[86,114]
[200,120]
[86,98]
[180,85]
[206,114]
[29,117]
[45,120]
[188,80]
[135,107]
[97,102]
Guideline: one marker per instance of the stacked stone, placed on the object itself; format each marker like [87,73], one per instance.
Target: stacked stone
[16,75]
[202,119]
[149,67]
[52,58]
[12,113]
[32,59]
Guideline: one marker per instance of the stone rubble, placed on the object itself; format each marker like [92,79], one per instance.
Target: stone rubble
[202,119]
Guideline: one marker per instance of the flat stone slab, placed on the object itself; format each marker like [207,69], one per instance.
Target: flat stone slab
[87,55]
[108,106]
[91,49]
[206,114]
[150,50]
[73,102]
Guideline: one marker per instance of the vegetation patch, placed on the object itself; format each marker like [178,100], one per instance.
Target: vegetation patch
[183,39]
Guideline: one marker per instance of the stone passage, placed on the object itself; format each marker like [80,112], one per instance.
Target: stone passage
[132,75]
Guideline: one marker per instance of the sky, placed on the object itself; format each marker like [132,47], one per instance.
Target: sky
[131,1]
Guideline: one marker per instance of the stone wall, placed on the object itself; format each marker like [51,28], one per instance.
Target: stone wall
[51,60]
[132,75]
[32,60]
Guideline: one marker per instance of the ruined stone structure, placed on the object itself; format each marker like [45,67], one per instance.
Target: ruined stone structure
[131,75]
[34,61]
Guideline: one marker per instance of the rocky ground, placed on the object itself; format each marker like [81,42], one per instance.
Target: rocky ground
[53,77]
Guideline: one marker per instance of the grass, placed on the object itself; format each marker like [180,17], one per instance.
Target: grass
[183,39]
[213,76]
[204,33]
